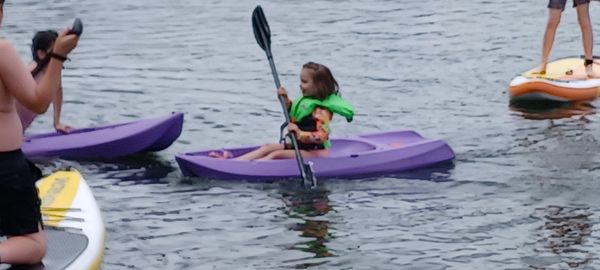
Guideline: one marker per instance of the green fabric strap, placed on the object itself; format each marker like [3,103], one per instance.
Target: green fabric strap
[304,107]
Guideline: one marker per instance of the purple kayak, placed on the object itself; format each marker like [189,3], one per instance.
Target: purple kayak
[369,154]
[112,141]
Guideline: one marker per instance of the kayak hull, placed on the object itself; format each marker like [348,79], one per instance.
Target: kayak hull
[362,155]
[112,141]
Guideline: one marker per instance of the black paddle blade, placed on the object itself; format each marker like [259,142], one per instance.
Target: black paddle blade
[262,33]
[77,28]
[309,178]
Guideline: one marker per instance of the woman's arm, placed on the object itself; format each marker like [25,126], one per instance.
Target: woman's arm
[57,104]
[21,85]
[57,111]
[58,100]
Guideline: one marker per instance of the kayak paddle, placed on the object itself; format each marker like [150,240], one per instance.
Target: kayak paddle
[262,33]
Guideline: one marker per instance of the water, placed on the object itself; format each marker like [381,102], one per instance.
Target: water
[522,195]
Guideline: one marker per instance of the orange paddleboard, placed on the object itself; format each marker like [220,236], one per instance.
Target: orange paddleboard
[565,81]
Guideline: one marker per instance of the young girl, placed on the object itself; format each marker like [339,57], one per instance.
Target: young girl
[42,44]
[310,116]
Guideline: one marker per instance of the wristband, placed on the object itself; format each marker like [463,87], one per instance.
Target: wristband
[62,58]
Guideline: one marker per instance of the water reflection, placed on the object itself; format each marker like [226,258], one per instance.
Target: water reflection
[565,146]
[553,110]
[564,234]
[140,169]
[441,172]
[310,206]
[147,168]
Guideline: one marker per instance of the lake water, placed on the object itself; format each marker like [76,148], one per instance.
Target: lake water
[523,193]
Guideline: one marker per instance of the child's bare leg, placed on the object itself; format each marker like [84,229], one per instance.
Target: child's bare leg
[281,154]
[289,153]
[551,26]
[583,16]
[261,151]
[26,249]
[224,154]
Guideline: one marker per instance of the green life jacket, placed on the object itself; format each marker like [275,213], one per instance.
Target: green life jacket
[304,107]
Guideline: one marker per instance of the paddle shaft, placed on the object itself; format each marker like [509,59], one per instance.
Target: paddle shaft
[263,39]
[301,165]
[278,85]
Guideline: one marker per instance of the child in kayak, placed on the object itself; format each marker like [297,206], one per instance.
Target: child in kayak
[20,215]
[555,8]
[42,44]
[310,116]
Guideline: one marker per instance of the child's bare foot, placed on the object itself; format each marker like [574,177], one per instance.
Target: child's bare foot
[541,69]
[589,70]
[224,154]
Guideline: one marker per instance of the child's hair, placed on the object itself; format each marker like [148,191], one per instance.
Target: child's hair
[42,40]
[323,79]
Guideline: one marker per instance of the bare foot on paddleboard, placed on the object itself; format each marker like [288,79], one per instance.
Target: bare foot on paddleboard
[589,70]
[540,70]
[224,154]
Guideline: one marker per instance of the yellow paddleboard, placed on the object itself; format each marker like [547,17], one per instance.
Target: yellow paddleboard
[72,221]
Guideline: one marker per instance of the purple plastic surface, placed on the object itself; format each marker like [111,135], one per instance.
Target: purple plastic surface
[112,141]
[369,154]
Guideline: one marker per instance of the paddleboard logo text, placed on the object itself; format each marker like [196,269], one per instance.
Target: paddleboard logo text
[57,186]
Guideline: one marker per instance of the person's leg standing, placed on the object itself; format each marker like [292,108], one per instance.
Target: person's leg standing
[555,9]
[583,17]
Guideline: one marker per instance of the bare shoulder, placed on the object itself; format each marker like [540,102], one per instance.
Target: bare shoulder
[8,54]
[5,44]
[6,48]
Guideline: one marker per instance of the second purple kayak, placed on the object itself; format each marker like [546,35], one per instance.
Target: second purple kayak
[112,141]
[370,154]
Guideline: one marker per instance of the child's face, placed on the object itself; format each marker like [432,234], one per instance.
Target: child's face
[307,85]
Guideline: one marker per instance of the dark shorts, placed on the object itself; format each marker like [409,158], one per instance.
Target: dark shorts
[19,202]
[560,4]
